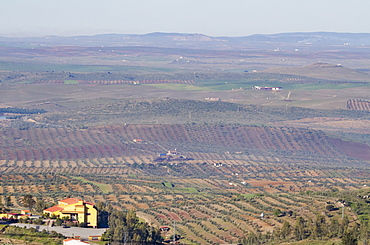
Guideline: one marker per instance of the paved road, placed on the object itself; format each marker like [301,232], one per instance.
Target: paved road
[84,233]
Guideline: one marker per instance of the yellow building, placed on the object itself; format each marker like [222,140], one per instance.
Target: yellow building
[75,210]
[4,216]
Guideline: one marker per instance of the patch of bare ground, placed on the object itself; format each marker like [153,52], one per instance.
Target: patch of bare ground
[89,188]
[116,207]
[142,206]
[148,218]
[353,149]
[99,198]
[262,225]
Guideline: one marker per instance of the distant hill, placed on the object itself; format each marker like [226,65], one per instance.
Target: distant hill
[159,39]
[314,38]
[324,71]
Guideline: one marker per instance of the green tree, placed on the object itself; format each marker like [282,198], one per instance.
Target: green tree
[277,212]
[299,229]
[285,230]
[276,234]
[330,207]
[3,209]
[334,228]
[8,201]
[364,232]
[28,201]
[344,225]
[319,228]
[40,205]
[349,238]
[125,227]
[103,214]
[251,239]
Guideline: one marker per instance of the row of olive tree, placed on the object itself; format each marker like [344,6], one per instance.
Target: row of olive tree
[319,229]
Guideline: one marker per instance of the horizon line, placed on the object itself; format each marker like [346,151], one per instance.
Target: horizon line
[172,33]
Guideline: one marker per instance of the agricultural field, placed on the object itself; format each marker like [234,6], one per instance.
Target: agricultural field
[61,147]
[361,105]
[184,138]
[206,202]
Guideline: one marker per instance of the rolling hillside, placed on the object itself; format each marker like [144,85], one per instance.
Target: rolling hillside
[51,144]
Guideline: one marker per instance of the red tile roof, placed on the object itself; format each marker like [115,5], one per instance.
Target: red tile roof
[67,201]
[53,209]
[70,201]
[70,239]
[74,239]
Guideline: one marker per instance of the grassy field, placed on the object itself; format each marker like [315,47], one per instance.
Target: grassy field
[70,82]
[103,187]
[230,85]
[181,87]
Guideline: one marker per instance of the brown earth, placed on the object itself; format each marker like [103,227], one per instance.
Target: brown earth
[353,149]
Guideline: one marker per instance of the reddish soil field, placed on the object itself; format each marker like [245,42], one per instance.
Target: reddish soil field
[117,141]
[353,149]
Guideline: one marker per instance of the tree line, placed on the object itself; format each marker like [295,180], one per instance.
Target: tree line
[21,110]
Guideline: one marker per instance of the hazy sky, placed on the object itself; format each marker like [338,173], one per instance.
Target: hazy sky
[210,17]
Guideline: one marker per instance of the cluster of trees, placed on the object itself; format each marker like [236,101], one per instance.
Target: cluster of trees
[125,227]
[32,235]
[4,207]
[28,201]
[203,78]
[21,110]
[319,229]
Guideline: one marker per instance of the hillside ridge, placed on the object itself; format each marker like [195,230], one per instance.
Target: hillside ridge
[160,39]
